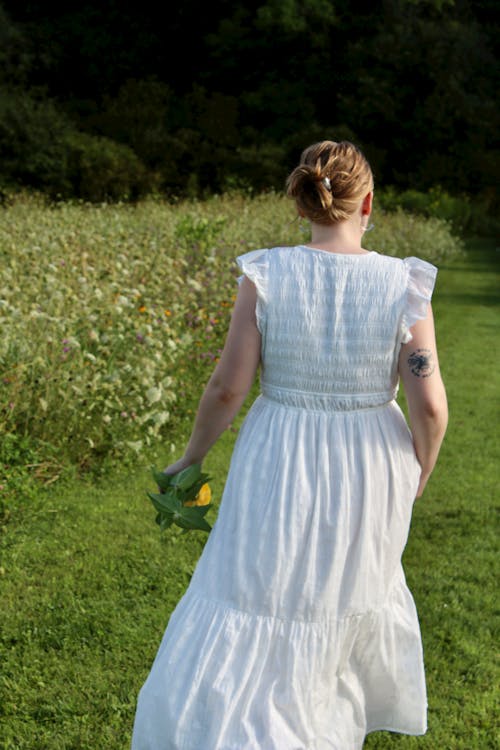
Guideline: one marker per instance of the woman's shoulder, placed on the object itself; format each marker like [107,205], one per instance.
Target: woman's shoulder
[408,260]
[409,265]
[260,256]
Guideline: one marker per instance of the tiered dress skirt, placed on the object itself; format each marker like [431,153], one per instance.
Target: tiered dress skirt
[297,630]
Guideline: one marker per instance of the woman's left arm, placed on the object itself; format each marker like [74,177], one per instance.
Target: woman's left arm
[230,382]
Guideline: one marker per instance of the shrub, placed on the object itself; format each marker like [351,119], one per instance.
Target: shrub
[403,234]
[465,214]
[33,149]
[137,117]
[41,149]
[101,170]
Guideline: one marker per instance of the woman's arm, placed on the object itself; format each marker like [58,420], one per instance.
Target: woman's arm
[425,395]
[230,381]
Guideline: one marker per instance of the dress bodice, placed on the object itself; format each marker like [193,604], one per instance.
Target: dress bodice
[332,324]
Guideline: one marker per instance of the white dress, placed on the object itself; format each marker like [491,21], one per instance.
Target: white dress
[297,630]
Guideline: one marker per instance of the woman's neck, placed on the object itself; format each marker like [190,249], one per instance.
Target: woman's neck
[344,237]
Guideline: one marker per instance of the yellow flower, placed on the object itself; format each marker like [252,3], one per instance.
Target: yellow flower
[167,313]
[202,498]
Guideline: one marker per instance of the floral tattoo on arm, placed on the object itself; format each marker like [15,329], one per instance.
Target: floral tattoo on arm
[421,363]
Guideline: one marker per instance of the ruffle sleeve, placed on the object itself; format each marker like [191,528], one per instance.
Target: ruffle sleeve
[254,266]
[420,285]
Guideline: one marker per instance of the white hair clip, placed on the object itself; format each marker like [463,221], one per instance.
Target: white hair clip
[326,182]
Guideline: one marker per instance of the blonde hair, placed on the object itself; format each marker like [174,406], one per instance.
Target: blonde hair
[330,181]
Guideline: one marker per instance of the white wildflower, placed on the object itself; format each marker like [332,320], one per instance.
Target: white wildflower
[195,285]
[153,394]
[160,418]
[135,445]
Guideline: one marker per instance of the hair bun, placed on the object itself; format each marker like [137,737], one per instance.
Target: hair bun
[330,181]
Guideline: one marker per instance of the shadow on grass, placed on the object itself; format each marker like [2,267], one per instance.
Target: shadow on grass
[479,287]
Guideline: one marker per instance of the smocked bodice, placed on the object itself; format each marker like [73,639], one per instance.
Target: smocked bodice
[332,325]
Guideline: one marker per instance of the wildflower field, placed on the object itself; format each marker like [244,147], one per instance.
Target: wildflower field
[112,318]
[113,315]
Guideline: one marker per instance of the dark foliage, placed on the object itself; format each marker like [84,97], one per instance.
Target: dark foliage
[207,97]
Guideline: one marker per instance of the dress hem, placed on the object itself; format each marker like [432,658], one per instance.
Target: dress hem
[410,732]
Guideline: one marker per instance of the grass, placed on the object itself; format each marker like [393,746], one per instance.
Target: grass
[88,581]
[451,555]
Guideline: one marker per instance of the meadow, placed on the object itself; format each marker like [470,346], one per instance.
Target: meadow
[112,318]
[108,312]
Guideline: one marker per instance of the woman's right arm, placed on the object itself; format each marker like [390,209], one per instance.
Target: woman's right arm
[230,382]
[425,394]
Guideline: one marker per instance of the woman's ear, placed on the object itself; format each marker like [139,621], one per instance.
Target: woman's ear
[366,206]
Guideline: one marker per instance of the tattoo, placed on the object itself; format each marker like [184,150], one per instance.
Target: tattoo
[421,363]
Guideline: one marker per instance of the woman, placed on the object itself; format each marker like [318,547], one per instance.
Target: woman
[297,630]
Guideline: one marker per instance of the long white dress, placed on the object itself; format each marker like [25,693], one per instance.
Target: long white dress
[297,630]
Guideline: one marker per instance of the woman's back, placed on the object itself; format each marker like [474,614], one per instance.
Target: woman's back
[332,324]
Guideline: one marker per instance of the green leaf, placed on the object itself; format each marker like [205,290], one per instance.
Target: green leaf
[166,503]
[202,510]
[163,480]
[185,478]
[189,518]
[176,490]
[166,522]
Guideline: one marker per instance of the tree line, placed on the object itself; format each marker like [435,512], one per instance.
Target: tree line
[111,101]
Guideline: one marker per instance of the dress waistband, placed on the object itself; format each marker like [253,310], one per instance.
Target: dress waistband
[326,401]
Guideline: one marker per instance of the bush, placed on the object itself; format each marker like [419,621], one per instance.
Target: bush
[466,215]
[33,150]
[101,170]
[402,234]
[41,149]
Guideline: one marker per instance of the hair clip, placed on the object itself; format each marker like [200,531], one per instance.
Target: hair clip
[326,182]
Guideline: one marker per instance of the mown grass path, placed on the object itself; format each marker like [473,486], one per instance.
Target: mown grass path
[452,552]
[89,583]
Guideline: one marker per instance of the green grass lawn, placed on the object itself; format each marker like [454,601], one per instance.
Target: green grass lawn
[89,582]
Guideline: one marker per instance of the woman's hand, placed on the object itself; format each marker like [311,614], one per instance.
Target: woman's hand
[178,466]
